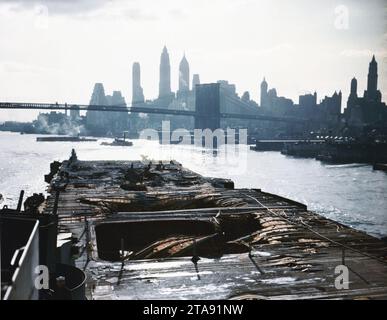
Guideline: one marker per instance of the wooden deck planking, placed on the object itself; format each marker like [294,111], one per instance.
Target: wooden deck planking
[299,263]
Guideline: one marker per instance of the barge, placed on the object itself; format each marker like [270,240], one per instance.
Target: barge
[64,139]
[156,230]
[377,166]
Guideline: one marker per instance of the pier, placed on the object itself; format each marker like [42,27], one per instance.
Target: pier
[329,150]
[380,166]
[279,145]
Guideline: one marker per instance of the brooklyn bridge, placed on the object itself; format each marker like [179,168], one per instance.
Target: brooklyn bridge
[209,109]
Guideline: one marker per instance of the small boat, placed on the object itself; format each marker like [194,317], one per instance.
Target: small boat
[64,139]
[119,142]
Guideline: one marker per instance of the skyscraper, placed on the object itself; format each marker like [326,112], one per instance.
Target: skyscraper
[308,100]
[116,122]
[246,96]
[263,93]
[332,105]
[98,97]
[369,108]
[195,80]
[183,75]
[116,99]
[75,113]
[352,99]
[354,87]
[165,75]
[372,83]
[372,92]
[137,92]
[95,120]
[271,98]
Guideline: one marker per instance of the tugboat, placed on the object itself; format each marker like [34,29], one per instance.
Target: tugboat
[118,142]
[303,149]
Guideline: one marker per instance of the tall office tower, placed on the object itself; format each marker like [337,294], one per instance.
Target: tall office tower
[352,99]
[165,75]
[372,93]
[354,87]
[264,87]
[137,91]
[183,75]
[372,83]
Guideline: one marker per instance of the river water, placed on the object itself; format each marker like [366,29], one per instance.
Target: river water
[351,194]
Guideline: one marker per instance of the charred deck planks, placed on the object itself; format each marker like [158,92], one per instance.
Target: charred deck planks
[292,255]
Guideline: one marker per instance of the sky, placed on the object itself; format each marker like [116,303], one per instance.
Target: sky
[55,50]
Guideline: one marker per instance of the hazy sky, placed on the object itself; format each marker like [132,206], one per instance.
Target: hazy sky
[55,50]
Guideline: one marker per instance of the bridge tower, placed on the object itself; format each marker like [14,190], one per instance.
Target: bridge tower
[207,104]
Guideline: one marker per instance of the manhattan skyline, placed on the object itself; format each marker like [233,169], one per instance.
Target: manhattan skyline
[299,49]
